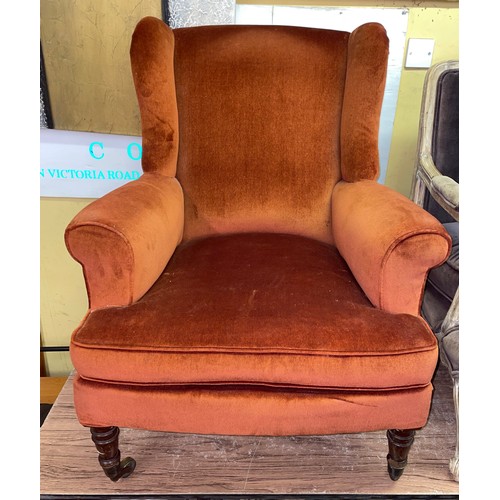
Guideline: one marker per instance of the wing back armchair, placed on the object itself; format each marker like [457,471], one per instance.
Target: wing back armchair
[256,279]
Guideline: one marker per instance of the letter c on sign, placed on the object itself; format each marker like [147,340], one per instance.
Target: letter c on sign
[91,150]
[139,151]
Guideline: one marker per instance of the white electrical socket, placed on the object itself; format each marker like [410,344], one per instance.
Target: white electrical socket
[419,53]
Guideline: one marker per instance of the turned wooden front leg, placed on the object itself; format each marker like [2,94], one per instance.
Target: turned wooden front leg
[106,442]
[400,442]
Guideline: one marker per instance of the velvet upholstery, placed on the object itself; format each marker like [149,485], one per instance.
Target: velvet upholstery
[389,243]
[445,137]
[442,283]
[287,97]
[250,411]
[364,91]
[256,279]
[152,59]
[179,333]
[124,239]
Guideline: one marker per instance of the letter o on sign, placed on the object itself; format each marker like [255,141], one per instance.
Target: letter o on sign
[138,152]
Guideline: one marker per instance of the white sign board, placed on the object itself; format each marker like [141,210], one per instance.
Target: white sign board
[86,164]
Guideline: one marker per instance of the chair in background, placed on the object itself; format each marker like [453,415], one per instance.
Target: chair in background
[256,279]
[436,188]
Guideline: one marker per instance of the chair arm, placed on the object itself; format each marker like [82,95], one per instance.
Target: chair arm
[442,188]
[447,190]
[124,239]
[389,243]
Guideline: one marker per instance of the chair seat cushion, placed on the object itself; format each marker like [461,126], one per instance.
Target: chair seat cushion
[255,309]
[442,283]
[450,346]
[444,278]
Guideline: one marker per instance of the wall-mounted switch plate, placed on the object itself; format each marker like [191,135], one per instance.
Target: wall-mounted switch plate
[419,53]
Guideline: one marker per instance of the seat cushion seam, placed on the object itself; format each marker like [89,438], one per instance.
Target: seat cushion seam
[228,350]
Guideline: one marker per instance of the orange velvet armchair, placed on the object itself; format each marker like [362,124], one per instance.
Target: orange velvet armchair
[256,279]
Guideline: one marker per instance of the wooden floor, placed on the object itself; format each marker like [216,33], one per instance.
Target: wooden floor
[183,464]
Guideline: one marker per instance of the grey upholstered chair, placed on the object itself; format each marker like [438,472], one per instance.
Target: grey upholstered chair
[436,188]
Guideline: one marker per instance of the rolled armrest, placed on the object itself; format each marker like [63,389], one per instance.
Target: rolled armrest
[124,239]
[388,242]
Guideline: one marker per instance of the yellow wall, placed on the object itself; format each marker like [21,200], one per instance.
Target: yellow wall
[441,25]
[86,47]
[63,300]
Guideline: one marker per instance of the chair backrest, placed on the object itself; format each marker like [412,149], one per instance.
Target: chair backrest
[444,88]
[258,123]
